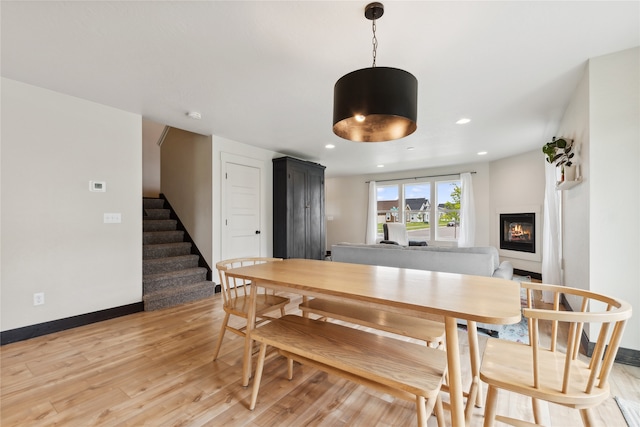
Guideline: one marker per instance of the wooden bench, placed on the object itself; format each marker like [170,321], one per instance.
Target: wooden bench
[399,368]
[430,331]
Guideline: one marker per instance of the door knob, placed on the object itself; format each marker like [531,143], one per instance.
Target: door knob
[257,231]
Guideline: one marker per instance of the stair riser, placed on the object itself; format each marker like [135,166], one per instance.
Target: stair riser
[153,203]
[151,238]
[180,297]
[165,265]
[153,253]
[157,214]
[159,224]
[171,282]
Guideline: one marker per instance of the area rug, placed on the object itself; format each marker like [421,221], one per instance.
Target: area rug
[630,410]
[518,332]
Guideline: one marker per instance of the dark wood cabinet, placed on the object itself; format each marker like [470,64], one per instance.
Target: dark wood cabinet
[298,209]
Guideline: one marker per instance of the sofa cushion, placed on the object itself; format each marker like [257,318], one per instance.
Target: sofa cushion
[414,257]
[377,245]
[488,250]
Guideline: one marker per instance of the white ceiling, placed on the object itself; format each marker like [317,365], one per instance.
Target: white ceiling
[262,72]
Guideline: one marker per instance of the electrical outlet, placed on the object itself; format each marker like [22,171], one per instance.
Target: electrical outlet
[38,298]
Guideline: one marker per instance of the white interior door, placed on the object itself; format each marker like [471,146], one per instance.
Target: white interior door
[241,207]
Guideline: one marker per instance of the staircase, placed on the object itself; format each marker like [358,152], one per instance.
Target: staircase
[171,274]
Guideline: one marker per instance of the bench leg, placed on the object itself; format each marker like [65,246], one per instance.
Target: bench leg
[422,411]
[289,369]
[258,376]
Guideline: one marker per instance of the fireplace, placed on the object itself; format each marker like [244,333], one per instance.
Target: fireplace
[518,232]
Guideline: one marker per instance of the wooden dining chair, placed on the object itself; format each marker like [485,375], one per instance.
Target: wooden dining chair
[235,297]
[555,372]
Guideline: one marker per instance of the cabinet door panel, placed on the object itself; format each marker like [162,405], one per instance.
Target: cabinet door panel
[315,194]
[297,214]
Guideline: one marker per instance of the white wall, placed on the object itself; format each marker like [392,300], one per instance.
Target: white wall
[347,198]
[517,184]
[151,133]
[53,236]
[614,175]
[221,145]
[575,201]
[186,172]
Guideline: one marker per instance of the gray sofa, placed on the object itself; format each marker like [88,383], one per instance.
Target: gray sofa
[478,261]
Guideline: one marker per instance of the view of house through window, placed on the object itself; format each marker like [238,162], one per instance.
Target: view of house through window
[429,209]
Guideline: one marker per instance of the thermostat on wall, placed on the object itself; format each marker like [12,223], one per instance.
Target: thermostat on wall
[99,186]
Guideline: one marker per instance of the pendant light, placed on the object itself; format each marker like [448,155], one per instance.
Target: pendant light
[378,103]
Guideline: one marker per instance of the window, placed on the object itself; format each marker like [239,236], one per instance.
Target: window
[448,195]
[411,203]
[388,206]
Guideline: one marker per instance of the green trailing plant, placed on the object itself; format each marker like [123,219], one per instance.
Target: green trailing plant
[559,152]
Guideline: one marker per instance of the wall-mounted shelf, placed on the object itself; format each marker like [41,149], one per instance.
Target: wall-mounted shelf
[565,185]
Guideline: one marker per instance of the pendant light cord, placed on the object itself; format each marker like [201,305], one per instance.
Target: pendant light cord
[374,41]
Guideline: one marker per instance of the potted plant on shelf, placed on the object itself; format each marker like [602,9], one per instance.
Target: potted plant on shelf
[560,152]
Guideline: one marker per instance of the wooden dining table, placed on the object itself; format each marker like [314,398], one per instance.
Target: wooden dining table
[418,293]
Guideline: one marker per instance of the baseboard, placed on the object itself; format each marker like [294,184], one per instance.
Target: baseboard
[626,356]
[27,332]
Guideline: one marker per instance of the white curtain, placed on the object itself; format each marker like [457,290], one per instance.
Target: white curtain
[467,212]
[551,240]
[372,215]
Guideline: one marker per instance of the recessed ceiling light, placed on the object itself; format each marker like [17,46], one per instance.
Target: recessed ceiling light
[463,121]
[329,146]
[194,115]
[380,166]
[482,153]
[411,148]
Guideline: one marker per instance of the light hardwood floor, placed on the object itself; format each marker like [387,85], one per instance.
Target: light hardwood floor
[156,368]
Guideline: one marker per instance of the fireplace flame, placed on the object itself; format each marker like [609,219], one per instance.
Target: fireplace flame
[517,232]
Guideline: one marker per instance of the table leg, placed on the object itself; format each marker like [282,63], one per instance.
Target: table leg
[305,314]
[474,354]
[455,381]
[248,344]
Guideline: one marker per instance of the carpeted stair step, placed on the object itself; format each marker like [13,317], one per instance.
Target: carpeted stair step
[176,296]
[156,282]
[163,265]
[170,273]
[151,203]
[165,250]
[157,214]
[155,237]
[159,224]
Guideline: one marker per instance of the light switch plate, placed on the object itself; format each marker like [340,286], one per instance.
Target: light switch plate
[112,218]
